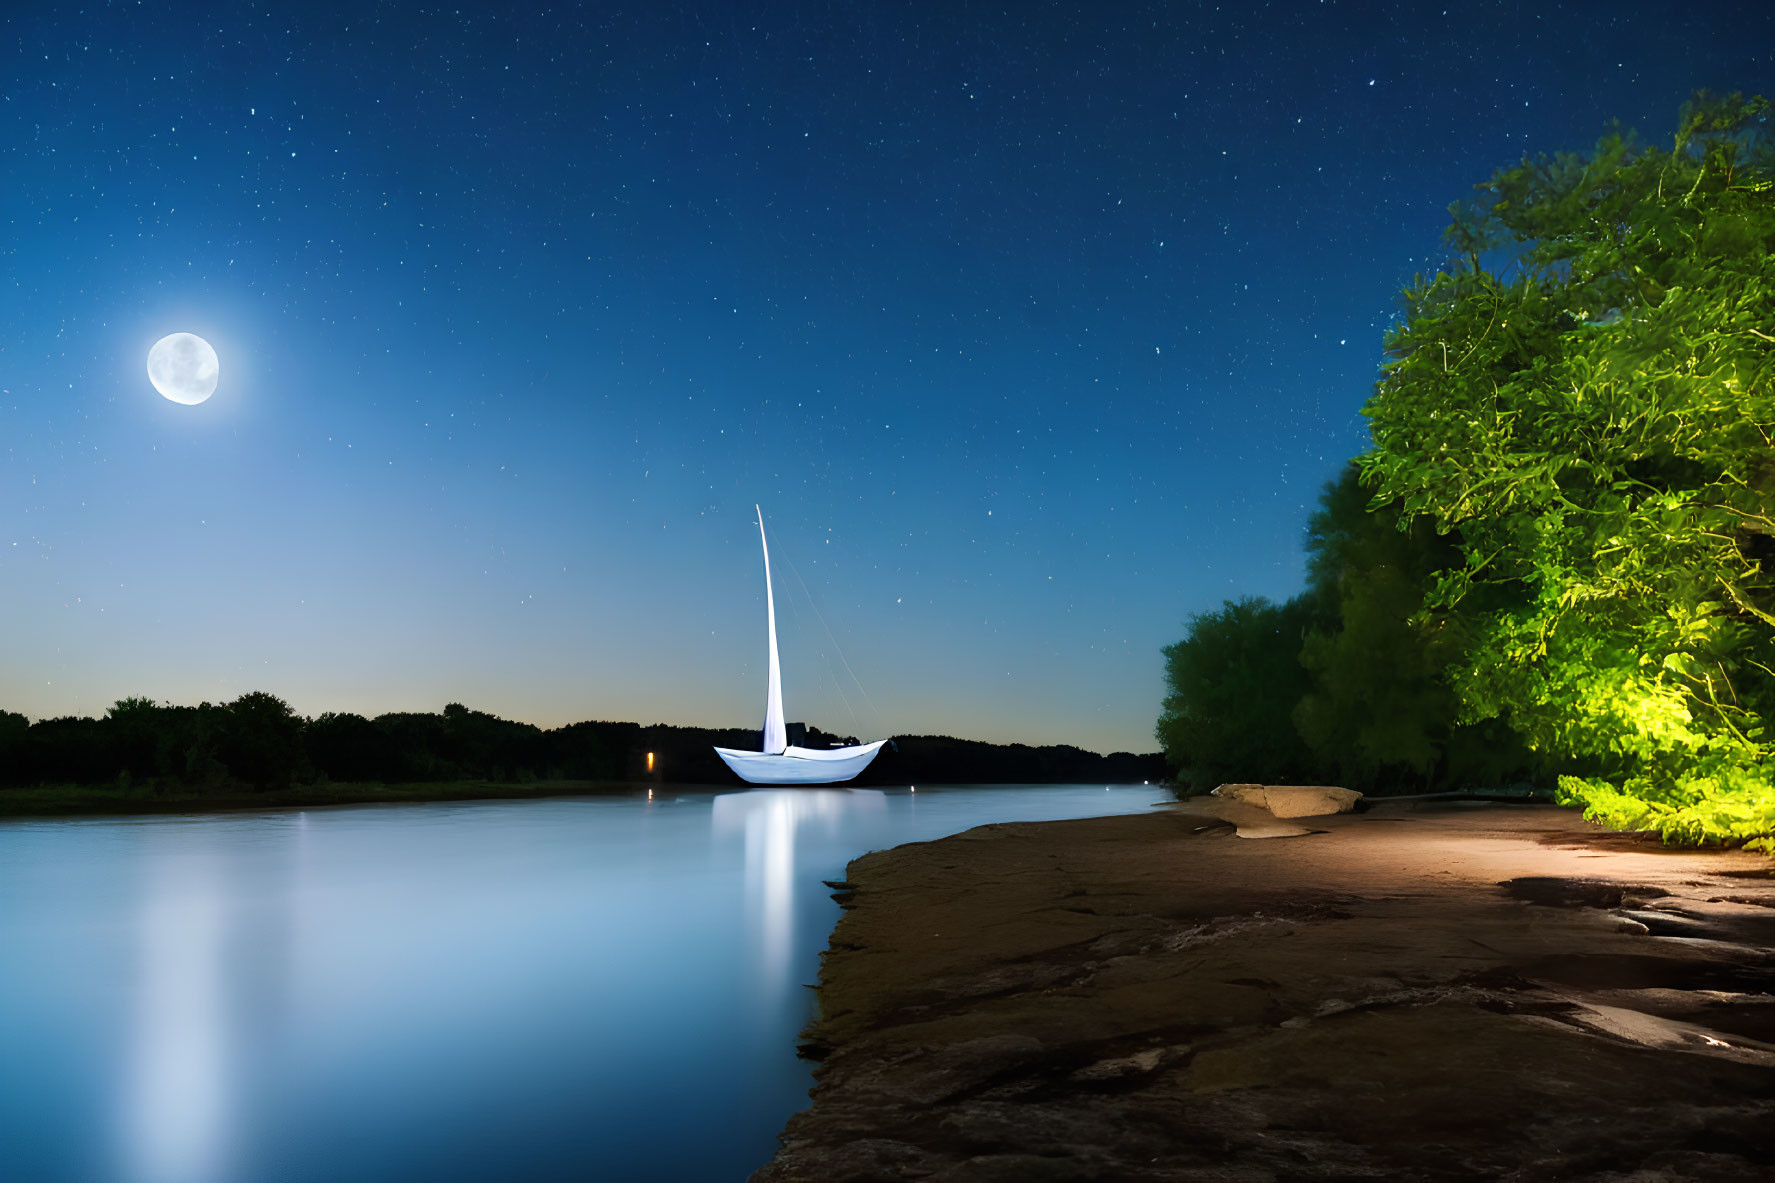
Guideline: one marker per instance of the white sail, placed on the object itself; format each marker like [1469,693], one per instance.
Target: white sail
[776,735]
[778,763]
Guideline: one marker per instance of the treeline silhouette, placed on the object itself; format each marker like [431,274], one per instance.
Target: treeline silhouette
[256,742]
[941,759]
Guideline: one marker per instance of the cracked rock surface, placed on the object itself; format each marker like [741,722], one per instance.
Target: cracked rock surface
[1425,991]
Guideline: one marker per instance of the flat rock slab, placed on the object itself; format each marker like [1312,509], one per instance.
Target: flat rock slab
[1428,991]
[1248,821]
[1293,800]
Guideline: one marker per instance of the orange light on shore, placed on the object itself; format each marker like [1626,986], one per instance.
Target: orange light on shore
[650,761]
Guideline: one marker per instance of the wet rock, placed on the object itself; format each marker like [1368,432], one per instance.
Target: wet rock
[1019,1168]
[1552,891]
[931,1074]
[1138,1064]
[864,1160]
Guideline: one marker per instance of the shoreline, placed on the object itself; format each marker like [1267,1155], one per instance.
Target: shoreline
[1426,990]
[87,801]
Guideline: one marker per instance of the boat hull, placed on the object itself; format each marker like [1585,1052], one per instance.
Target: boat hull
[800,766]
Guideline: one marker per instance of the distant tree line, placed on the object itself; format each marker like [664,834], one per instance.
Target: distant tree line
[939,759]
[257,743]
[1557,561]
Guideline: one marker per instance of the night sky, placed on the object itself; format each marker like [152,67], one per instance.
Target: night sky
[1034,328]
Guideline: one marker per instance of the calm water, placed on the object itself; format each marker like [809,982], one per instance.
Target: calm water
[592,989]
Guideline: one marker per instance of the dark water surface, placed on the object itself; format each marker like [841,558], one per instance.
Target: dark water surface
[588,989]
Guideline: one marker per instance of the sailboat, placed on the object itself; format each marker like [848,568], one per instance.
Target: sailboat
[781,763]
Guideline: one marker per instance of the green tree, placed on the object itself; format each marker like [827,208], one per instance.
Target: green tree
[1376,711]
[136,725]
[1586,400]
[1379,714]
[350,747]
[1233,681]
[15,733]
[260,740]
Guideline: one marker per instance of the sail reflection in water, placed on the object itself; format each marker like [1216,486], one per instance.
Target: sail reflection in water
[773,821]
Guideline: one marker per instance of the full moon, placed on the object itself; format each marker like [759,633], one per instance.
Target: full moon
[184,368]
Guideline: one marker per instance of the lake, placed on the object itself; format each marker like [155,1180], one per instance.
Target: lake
[599,988]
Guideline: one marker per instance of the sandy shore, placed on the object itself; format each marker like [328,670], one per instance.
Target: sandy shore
[1422,992]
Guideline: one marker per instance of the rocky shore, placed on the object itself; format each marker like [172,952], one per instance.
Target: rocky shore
[1420,991]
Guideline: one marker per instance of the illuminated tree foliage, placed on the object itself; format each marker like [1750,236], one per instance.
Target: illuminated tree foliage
[1586,400]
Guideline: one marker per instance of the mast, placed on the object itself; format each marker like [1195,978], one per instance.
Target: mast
[776,739]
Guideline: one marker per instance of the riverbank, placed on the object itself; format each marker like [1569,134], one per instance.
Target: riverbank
[90,800]
[1427,990]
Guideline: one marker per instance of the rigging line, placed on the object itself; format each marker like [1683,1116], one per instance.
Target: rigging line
[839,686]
[836,647]
[825,662]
